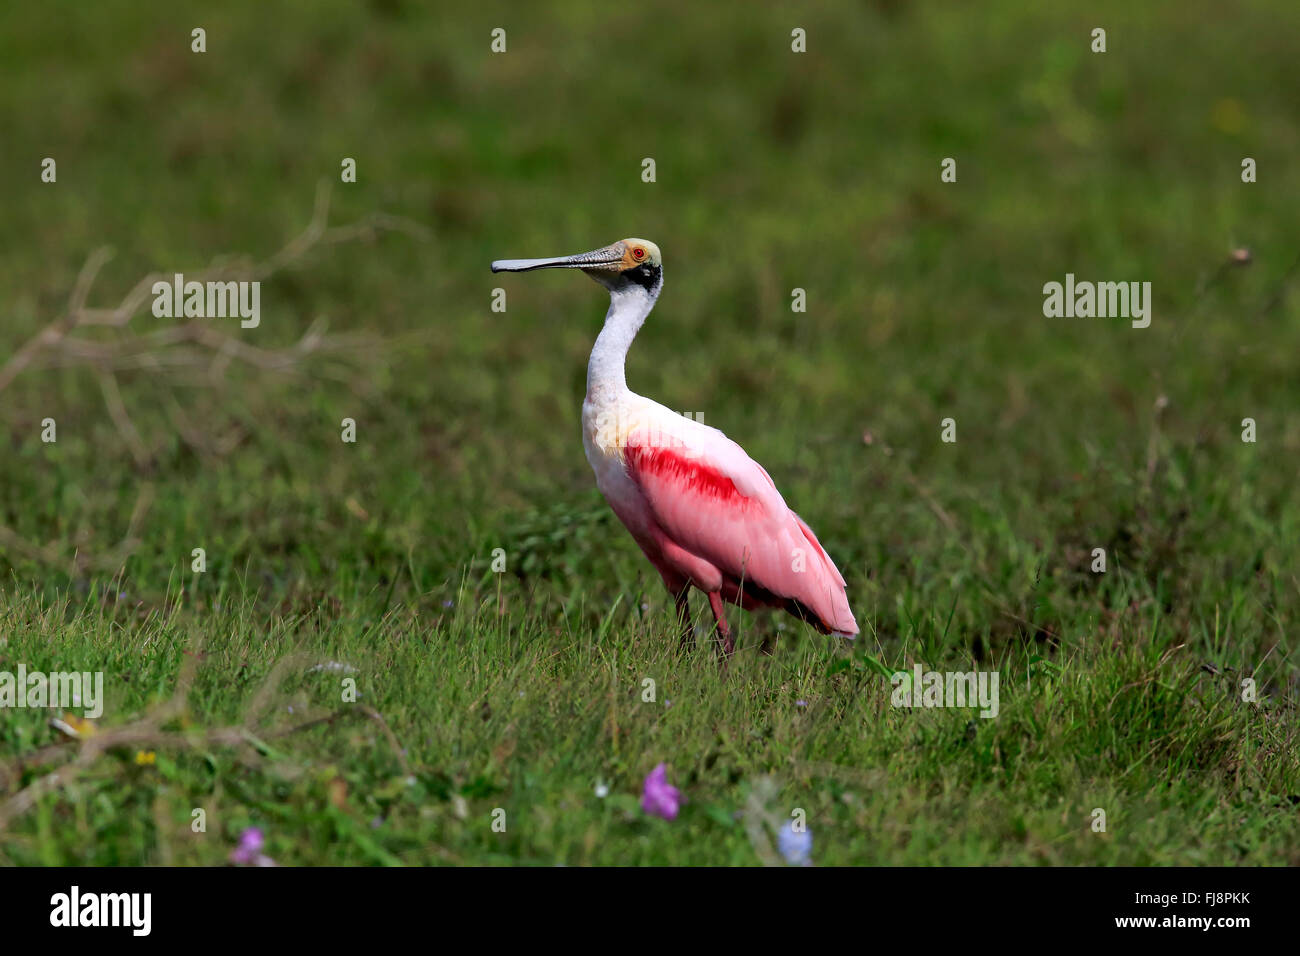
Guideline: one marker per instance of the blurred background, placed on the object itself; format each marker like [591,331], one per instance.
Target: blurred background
[774,170]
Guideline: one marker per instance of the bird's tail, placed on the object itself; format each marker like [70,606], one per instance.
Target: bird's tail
[830,603]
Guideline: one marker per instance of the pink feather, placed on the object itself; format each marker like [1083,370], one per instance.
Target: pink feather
[709,515]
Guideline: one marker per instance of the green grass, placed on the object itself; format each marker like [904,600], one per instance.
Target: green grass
[524,690]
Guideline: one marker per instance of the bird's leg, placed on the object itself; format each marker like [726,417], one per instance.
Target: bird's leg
[724,632]
[684,618]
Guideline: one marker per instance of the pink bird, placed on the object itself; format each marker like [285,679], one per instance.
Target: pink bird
[705,513]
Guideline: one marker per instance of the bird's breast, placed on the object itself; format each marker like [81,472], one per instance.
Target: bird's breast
[606,424]
[607,421]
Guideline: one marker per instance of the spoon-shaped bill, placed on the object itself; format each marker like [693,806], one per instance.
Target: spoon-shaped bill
[604,258]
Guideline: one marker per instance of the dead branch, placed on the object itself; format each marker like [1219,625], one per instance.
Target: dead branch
[77,315]
[111,560]
[148,732]
[193,345]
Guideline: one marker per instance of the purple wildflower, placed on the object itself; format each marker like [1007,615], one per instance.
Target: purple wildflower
[795,845]
[660,798]
[249,851]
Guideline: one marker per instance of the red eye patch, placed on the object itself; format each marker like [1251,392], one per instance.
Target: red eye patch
[638,253]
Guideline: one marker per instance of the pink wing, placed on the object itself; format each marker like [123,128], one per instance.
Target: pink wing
[716,503]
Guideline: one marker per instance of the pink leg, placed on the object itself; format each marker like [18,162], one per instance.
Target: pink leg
[724,632]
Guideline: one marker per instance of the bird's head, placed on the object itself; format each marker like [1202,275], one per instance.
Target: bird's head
[626,266]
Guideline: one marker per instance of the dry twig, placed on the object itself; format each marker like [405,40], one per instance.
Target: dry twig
[195,344]
[148,732]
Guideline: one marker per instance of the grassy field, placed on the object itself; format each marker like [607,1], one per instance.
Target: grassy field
[330,562]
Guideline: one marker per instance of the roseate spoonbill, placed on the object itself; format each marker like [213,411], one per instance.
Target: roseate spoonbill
[705,513]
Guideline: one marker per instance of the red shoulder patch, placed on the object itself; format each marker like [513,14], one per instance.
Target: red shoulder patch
[682,471]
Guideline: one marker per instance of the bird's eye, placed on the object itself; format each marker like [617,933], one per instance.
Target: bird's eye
[638,254]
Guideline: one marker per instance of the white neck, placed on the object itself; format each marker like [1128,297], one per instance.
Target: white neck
[628,308]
